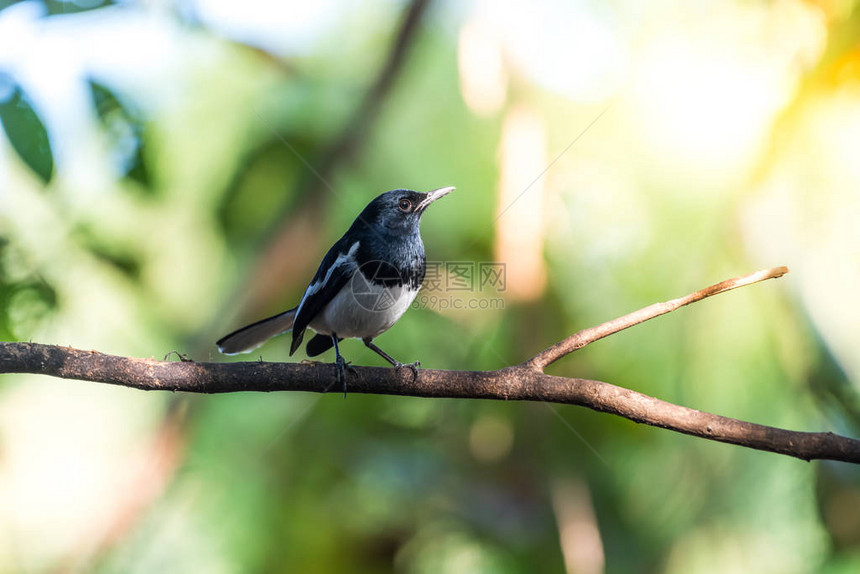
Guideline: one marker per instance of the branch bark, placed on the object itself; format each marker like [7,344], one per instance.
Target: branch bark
[523,382]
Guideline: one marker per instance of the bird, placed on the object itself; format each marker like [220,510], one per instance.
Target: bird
[363,285]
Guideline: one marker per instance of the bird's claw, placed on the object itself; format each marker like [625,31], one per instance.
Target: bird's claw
[412,366]
[341,366]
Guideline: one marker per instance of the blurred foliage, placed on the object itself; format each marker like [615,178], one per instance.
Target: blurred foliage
[54,7]
[125,134]
[25,130]
[154,195]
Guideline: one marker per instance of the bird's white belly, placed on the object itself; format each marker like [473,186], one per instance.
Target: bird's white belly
[362,309]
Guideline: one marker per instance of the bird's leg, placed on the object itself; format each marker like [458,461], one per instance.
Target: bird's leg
[397,364]
[340,365]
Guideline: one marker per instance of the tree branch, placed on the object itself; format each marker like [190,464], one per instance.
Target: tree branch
[524,382]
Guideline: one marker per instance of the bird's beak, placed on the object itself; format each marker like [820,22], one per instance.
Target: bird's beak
[433,196]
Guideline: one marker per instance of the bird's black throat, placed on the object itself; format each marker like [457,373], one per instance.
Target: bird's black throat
[394,262]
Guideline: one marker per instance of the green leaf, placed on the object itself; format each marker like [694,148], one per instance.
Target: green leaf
[6,3]
[73,6]
[124,128]
[25,130]
[62,7]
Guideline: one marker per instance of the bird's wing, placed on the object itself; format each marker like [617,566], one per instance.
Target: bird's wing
[334,272]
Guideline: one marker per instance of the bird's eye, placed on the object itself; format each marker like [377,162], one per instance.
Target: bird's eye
[405,205]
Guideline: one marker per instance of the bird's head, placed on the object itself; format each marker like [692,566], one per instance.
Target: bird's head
[399,212]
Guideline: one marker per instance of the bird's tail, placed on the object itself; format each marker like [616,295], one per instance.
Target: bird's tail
[249,338]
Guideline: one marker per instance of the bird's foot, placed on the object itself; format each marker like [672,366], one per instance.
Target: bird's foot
[412,366]
[310,362]
[341,366]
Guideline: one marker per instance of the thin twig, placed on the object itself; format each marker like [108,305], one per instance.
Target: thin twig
[356,129]
[370,107]
[582,338]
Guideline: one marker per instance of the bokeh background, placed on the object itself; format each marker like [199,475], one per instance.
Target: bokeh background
[172,169]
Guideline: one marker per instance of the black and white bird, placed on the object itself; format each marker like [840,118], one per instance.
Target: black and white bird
[364,284]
